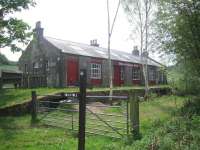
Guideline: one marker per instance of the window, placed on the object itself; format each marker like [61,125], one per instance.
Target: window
[25,68]
[122,73]
[136,73]
[47,65]
[95,71]
[162,77]
[152,75]
[35,67]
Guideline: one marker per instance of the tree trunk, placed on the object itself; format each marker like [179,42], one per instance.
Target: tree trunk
[110,71]
[146,50]
[110,30]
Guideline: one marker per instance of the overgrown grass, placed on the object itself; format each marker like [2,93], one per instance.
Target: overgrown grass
[159,109]
[9,97]
[17,132]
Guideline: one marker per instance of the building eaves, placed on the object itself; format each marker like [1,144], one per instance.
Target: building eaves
[98,52]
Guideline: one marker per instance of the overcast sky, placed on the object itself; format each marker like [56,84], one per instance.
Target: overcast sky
[78,21]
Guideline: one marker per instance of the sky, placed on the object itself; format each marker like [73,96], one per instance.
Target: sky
[79,21]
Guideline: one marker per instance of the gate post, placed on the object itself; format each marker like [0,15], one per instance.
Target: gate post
[82,109]
[33,107]
[134,115]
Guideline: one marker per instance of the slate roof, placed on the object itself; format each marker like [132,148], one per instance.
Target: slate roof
[98,52]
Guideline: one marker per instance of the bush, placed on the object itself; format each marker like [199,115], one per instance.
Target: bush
[184,79]
[191,107]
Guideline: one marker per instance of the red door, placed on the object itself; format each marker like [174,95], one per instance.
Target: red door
[117,77]
[72,71]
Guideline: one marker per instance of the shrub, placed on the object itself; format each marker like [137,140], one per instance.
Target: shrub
[191,107]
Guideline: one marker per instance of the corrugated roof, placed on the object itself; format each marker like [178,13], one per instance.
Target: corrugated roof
[93,51]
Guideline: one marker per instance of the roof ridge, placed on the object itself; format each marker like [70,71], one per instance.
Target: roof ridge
[73,42]
[87,44]
[101,48]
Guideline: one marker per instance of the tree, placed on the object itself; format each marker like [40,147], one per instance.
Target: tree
[110,31]
[13,30]
[179,34]
[3,60]
[140,16]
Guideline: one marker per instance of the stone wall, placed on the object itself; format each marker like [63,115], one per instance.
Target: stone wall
[44,53]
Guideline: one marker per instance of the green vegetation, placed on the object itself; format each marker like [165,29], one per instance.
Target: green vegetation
[183,82]
[18,133]
[13,31]
[178,32]
[5,64]
[3,59]
[10,97]
[159,109]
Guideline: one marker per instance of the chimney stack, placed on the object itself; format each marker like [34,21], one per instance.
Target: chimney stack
[38,30]
[135,51]
[145,54]
[94,43]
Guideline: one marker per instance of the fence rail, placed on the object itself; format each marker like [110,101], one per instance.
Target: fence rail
[65,113]
[72,111]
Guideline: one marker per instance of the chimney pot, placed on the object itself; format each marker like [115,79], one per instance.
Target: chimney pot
[38,24]
[145,54]
[38,30]
[94,43]
[135,51]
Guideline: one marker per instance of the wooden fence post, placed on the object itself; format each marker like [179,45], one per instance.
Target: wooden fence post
[33,107]
[82,109]
[134,115]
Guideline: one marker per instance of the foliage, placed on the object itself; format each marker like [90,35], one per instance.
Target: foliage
[17,132]
[191,107]
[140,15]
[182,80]
[179,34]
[3,60]
[178,23]
[13,30]
[177,134]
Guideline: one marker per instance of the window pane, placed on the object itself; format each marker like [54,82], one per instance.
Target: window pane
[136,73]
[96,71]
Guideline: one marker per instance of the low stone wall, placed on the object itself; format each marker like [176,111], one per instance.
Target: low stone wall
[25,108]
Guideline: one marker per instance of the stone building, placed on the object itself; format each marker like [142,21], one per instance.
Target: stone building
[60,61]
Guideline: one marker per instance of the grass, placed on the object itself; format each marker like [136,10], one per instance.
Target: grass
[17,132]
[159,109]
[64,119]
[9,97]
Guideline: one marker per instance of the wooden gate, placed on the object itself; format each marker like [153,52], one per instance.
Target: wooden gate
[73,110]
